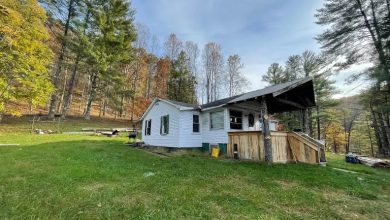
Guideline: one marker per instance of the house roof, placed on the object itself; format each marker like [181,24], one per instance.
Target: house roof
[275,90]
[176,104]
[289,96]
[182,103]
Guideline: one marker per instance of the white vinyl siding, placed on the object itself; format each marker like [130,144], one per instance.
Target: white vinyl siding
[214,136]
[217,120]
[158,110]
[188,138]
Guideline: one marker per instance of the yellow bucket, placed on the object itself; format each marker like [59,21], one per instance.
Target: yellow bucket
[215,152]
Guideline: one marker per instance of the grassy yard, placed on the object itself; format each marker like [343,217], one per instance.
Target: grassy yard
[74,176]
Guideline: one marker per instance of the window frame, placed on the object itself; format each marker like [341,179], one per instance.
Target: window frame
[164,125]
[249,120]
[236,118]
[220,123]
[195,123]
[148,127]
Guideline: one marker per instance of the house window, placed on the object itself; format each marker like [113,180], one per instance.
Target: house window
[251,120]
[216,120]
[148,126]
[195,123]
[164,125]
[235,119]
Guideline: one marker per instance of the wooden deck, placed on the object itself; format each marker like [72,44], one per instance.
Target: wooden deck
[286,147]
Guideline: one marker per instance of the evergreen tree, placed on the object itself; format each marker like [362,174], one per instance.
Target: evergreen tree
[181,84]
[275,74]
[109,44]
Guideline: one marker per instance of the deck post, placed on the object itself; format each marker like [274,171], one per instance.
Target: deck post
[266,132]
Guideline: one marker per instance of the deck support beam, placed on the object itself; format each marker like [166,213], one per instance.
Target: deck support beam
[266,132]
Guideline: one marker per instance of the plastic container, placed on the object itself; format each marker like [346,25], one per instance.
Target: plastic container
[215,152]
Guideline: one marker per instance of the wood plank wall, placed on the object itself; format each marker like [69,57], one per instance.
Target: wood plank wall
[286,147]
[251,146]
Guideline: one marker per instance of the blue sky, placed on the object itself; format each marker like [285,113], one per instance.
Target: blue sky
[260,31]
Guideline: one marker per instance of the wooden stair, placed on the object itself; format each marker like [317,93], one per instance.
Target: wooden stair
[306,149]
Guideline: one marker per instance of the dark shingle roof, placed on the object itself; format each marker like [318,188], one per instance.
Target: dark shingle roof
[256,93]
[218,102]
[245,96]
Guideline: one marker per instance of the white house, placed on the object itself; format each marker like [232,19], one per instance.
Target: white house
[175,124]
[168,123]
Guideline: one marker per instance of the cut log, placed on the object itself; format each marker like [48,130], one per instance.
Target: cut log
[374,162]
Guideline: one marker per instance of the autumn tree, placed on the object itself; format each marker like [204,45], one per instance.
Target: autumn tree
[335,137]
[160,86]
[24,54]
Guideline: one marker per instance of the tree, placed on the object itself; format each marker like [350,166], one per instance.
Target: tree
[173,46]
[213,65]
[111,36]
[62,13]
[293,68]
[160,88]
[192,51]
[24,54]
[76,45]
[181,84]
[234,76]
[275,74]
[358,31]
[335,136]
[349,119]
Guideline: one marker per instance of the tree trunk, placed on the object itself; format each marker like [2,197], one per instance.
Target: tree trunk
[121,108]
[370,138]
[348,142]
[69,90]
[56,76]
[266,132]
[91,97]
[318,123]
[306,121]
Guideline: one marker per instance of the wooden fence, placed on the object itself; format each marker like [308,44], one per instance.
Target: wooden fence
[286,147]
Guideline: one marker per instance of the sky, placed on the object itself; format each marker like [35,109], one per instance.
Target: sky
[262,32]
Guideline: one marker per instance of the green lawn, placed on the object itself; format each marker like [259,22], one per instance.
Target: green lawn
[74,176]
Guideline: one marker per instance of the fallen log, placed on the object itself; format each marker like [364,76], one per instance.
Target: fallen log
[374,162]
[9,145]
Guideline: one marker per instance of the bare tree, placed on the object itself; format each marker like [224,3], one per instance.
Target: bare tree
[192,51]
[213,65]
[143,36]
[172,47]
[236,81]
